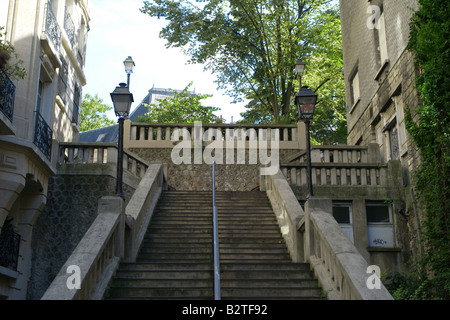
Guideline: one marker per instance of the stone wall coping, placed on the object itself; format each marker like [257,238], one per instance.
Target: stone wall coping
[334,165]
[213,125]
[139,210]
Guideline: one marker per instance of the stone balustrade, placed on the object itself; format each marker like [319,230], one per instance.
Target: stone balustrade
[100,153]
[313,235]
[342,271]
[337,174]
[147,135]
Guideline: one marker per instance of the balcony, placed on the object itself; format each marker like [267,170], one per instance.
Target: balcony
[9,249]
[69,27]
[51,38]
[43,136]
[7,97]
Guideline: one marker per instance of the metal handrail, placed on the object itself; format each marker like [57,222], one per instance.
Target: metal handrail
[216,239]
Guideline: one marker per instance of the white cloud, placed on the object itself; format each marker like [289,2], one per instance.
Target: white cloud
[119,30]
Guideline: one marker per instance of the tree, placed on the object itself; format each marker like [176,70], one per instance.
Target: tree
[13,69]
[430,129]
[182,107]
[93,113]
[252,47]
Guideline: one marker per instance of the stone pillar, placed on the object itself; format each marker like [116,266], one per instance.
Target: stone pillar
[322,204]
[360,228]
[30,207]
[301,135]
[374,153]
[126,133]
[11,185]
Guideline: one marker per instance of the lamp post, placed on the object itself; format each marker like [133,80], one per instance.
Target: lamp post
[122,100]
[299,69]
[305,100]
[129,67]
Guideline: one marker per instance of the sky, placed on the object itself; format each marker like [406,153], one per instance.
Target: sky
[118,30]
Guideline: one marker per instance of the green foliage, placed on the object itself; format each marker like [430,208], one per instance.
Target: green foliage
[430,129]
[408,286]
[93,113]
[182,107]
[15,68]
[252,47]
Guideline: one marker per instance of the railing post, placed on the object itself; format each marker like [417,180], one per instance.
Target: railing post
[216,239]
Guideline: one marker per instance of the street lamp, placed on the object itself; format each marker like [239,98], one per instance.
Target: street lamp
[305,100]
[122,100]
[299,69]
[129,67]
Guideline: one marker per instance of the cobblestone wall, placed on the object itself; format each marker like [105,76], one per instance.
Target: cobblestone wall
[229,177]
[71,208]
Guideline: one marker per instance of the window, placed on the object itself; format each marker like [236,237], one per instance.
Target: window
[355,89]
[382,40]
[392,140]
[342,212]
[380,227]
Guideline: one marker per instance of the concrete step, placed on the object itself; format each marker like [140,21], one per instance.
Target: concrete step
[163,266]
[176,257]
[158,293]
[280,293]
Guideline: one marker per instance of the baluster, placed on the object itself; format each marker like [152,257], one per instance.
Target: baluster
[90,155]
[71,153]
[293,176]
[304,177]
[100,155]
[333,177]
[284,170]
[373,177]
[353,178]
[133,133]
[383,176]
[363,177]
[343,176]
[159,134]
[323,176]
[133,168]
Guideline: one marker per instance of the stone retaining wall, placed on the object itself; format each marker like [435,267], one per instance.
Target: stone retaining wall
[71,209]
[198,177]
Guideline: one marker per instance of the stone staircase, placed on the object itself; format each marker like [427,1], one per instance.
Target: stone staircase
[176,258]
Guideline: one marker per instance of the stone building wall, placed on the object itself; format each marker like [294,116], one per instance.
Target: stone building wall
[386,90]
[71,208]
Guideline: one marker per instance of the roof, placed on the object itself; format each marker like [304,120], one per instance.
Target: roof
[107,134]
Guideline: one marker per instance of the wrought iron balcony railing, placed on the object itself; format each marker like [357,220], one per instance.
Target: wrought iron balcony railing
[69,27]
[7,95]
[9,249]
[43,136]
[52,29]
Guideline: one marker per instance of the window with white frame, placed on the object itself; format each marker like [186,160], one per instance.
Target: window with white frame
[354,89]
[342,212]
[380,227]
[382,40]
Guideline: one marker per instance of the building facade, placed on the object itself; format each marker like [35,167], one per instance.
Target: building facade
[380,78]
[37,113]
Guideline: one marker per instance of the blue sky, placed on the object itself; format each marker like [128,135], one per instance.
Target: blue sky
[118,30]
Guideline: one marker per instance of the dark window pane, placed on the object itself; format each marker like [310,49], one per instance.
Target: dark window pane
[377,214]
[341,214]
